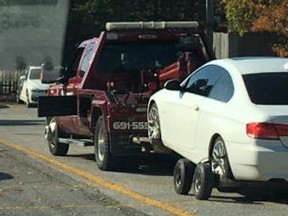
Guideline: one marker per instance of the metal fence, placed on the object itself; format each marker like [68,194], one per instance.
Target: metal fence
[8,81]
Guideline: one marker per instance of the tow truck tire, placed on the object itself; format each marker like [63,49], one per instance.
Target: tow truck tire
[203,181]
[183,176]
[103,156]
[55,147]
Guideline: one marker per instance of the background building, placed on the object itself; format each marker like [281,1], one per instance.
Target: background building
[31,32]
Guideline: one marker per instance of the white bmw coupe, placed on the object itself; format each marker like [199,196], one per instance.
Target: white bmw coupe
[229,120]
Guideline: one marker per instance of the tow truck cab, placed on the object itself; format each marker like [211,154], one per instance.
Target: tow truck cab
[102,97]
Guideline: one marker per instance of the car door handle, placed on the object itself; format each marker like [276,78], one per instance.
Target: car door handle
[195,107]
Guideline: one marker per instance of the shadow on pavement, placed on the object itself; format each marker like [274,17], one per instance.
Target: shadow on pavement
[158,164]
[150,164]
[279,198]
[5,176]
[18,122]
[3,106]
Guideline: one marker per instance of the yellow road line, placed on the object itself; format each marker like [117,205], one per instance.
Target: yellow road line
[98,180]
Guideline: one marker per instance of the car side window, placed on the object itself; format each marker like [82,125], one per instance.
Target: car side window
[73,64]
[87,55]
[202,81]
[223,89]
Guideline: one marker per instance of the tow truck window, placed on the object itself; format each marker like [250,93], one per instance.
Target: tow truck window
[73,64]
[134,56]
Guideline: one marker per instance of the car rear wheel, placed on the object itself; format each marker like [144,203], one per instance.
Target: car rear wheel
[183,176]
[55,147]
[203,181]
[219,159]
[221,167]
[18,100]
[103,155]
[154,132]
[28,103]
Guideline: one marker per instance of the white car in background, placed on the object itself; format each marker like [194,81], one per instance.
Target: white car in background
[229,120]
[32,88]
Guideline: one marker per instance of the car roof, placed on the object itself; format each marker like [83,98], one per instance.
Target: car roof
[249,65]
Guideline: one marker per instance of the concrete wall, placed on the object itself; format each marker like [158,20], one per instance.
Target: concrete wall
[251,44]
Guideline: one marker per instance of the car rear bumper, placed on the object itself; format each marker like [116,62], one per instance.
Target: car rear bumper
[261,160]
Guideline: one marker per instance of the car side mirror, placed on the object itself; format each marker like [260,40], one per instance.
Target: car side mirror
[51,74]
[173,85]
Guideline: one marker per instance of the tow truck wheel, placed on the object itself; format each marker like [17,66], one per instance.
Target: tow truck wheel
[103,156]
[203,181]
[55,147]
[183,175]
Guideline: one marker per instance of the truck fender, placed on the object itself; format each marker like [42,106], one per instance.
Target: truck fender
[96,113]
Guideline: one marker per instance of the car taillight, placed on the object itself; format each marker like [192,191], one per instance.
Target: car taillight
[260,130]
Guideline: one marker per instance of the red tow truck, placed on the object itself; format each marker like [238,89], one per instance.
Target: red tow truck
[101,97]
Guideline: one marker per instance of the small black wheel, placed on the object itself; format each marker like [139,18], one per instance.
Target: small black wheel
[203,181]
[55,147]
[183,176]
[103,156]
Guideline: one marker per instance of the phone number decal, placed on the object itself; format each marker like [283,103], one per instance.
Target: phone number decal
[130,125]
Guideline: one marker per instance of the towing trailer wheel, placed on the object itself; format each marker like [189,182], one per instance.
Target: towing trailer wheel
[203,181]
[103,156]
[55,147]
[183,175]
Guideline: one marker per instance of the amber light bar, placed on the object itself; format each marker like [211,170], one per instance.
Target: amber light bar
[151,25]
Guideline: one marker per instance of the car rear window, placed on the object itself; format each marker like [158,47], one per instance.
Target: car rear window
[267,88]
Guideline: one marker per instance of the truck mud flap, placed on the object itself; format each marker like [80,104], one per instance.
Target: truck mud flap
[123,146]
[57,106]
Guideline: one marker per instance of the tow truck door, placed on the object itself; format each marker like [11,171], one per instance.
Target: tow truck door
[62,99]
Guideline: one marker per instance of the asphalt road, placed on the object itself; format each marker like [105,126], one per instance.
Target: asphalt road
[33,182]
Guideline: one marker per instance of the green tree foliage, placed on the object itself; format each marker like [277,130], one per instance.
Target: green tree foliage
[274,18]
[240,15]
[87,18]
[261,16]
[134,10]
